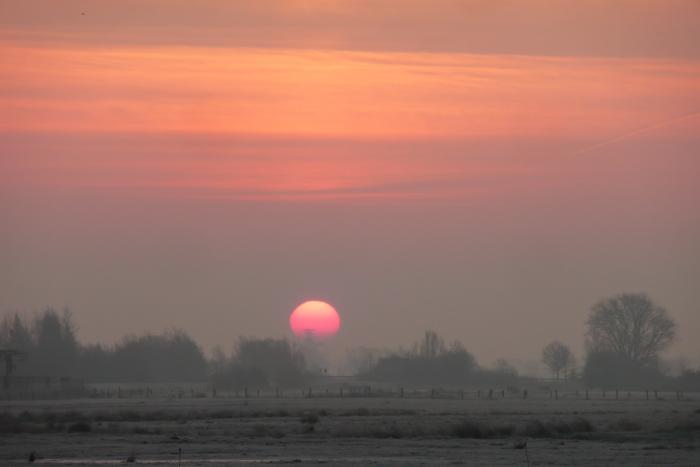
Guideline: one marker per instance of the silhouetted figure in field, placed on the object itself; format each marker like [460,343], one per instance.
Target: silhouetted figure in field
[32,457]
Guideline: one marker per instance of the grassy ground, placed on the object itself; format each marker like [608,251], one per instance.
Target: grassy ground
[352,431]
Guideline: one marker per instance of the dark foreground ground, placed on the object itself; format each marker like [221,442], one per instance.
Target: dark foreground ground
[351,431]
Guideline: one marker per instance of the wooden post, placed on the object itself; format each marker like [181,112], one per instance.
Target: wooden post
[503,393]
[647,394]
[524,393]
[556,394]
[656,394]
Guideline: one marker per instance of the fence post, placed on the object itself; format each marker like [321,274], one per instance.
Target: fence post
[556,394]
[586,394]
[524,393]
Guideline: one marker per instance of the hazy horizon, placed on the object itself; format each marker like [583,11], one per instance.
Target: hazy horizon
[211,165]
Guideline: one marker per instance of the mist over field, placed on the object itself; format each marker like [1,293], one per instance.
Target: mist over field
[267,223]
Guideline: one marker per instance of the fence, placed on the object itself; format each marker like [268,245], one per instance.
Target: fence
[57,388]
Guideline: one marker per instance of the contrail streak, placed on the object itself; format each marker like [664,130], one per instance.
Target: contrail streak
[637,132]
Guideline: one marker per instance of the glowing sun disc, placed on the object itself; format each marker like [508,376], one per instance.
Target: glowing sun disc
[314,318]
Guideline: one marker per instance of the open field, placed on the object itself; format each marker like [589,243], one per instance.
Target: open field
[352,431]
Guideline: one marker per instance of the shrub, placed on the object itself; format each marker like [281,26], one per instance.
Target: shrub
[625,424]
[310,418]
[470,429]
[79,427]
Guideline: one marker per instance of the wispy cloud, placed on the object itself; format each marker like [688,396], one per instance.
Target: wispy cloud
[639,131]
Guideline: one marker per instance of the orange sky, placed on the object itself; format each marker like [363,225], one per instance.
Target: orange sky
[302,94]
[548,119]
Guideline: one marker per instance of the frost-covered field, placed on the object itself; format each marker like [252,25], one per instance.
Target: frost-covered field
[352,431]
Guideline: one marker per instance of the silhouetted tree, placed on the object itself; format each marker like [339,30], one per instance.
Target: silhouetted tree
[55,344]
[218,361]
[362,359]
[504,367]
[632,326]
[431,345]
[15,333]
[430,362]
[557,357]
[96,364]
[172,356]
[613,370]
[262,362]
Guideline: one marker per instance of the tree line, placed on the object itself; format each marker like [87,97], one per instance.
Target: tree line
[431,361]
[625,337]
[51,348]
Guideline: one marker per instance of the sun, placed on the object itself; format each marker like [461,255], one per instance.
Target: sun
[314,319]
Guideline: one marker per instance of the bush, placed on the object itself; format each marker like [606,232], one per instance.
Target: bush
[79,427]
[625,424]
[470,429]
[608,370]
[310,418]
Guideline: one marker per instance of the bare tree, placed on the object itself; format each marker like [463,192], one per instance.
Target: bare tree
[432,345]
[630,325]
[557,357]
